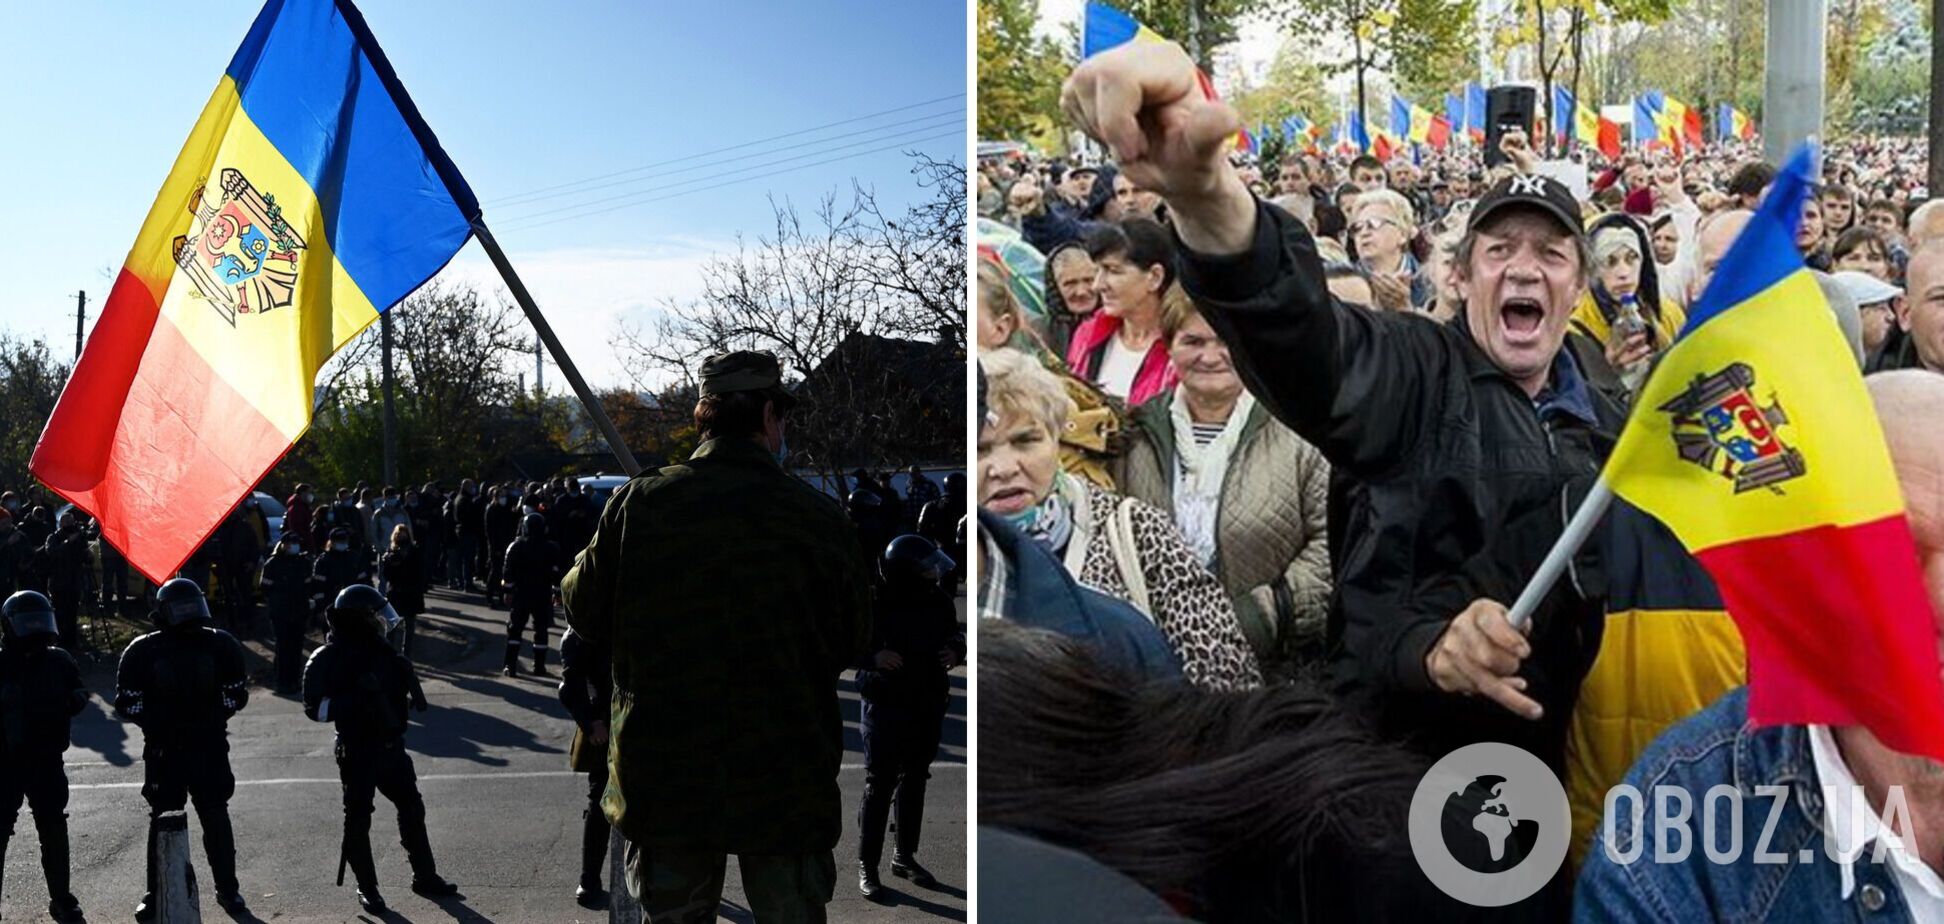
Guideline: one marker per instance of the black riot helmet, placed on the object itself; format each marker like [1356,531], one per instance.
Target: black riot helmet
[533,526]
[180,603]
[360,608]
[955,483]
[912,559]
[861,500]
[28,613]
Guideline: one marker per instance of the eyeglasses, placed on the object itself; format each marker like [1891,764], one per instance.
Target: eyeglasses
[1372,224]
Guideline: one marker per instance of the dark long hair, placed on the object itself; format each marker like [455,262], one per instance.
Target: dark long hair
[1176,786]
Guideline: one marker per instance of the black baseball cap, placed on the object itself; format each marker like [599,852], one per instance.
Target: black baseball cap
[1533,192]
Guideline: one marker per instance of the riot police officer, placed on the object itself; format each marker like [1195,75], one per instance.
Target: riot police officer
[180,684]
[501,519]
[339,566]
[587,690]
[359,683]
[40,693]
[286,583]
[916,640]
[533,565]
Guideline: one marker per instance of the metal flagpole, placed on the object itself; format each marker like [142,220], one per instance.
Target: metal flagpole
[567,367]
[1577,530]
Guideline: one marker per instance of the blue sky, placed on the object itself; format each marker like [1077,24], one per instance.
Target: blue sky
[96,99]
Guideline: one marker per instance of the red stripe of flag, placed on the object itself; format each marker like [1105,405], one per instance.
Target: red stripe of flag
[1811,661]
[158,417]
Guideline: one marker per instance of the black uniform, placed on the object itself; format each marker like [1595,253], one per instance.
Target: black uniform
[40,693]
[362,686]
[405,583]
[180,686]
[587,690]
[69,569]
[237,554]
[904,711]
[286,586]
[502,524]
[572,518]
[335,570]
[534,566]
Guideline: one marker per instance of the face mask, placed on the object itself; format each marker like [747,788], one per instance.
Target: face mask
[341,546]
[310,498]
[471,491]
[391,501]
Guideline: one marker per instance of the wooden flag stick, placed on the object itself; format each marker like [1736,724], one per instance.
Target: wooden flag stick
[566,364]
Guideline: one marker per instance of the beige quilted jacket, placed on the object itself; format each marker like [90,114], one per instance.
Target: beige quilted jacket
[1270,552]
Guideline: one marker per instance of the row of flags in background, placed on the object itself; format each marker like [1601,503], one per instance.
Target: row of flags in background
[1658,119]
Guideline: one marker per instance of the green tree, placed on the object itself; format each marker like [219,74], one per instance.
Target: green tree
[1421,42]
[1294,84]
[1201,26]
[1019,75]
[30,384]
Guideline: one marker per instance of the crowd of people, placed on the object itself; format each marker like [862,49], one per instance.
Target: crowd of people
[1267,450]
[359,564]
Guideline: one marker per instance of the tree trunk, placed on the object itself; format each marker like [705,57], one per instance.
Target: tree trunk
[1936,180]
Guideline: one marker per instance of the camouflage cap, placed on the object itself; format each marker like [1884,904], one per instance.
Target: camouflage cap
[745,370]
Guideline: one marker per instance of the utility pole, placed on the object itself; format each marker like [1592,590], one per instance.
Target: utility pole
[1792,90]
[391,417]
[80,318]
[539,366]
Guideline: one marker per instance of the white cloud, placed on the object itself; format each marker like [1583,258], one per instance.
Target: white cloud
[586,294]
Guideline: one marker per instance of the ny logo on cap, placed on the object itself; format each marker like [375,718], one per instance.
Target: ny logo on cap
[1528,185]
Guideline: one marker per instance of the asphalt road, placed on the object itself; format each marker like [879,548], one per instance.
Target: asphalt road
[504,810]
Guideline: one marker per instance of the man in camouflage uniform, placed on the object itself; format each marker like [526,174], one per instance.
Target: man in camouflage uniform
[731,596]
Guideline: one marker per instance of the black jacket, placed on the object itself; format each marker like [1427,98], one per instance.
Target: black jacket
[180,686]
[370,688]
[919,623]
[502,521]
[286,584]
[533,568]
[40,693]
[405,579]
[334,570]
[1458,483]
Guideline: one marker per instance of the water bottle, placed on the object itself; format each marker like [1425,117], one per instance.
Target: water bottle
[1629,322]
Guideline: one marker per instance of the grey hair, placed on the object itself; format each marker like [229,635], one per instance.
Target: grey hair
[1462,255]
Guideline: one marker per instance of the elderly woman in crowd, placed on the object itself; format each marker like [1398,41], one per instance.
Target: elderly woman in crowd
[1070,296]
[1382,226]
[1119,347]
[1119,546]
[1092,432]
[1247,494]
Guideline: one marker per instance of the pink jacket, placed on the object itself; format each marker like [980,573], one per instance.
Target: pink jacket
[1157,375]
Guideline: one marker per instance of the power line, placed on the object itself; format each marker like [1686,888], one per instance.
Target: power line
[732,147]
[957,121]
[955,133]
[882,131]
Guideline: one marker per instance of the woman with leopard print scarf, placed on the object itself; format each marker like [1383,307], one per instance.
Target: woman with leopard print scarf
[1119,546]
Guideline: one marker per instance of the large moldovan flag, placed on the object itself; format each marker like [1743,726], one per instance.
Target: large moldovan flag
[1757,444]
[309,198]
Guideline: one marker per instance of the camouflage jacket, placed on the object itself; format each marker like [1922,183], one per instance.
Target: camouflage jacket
[731,596]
